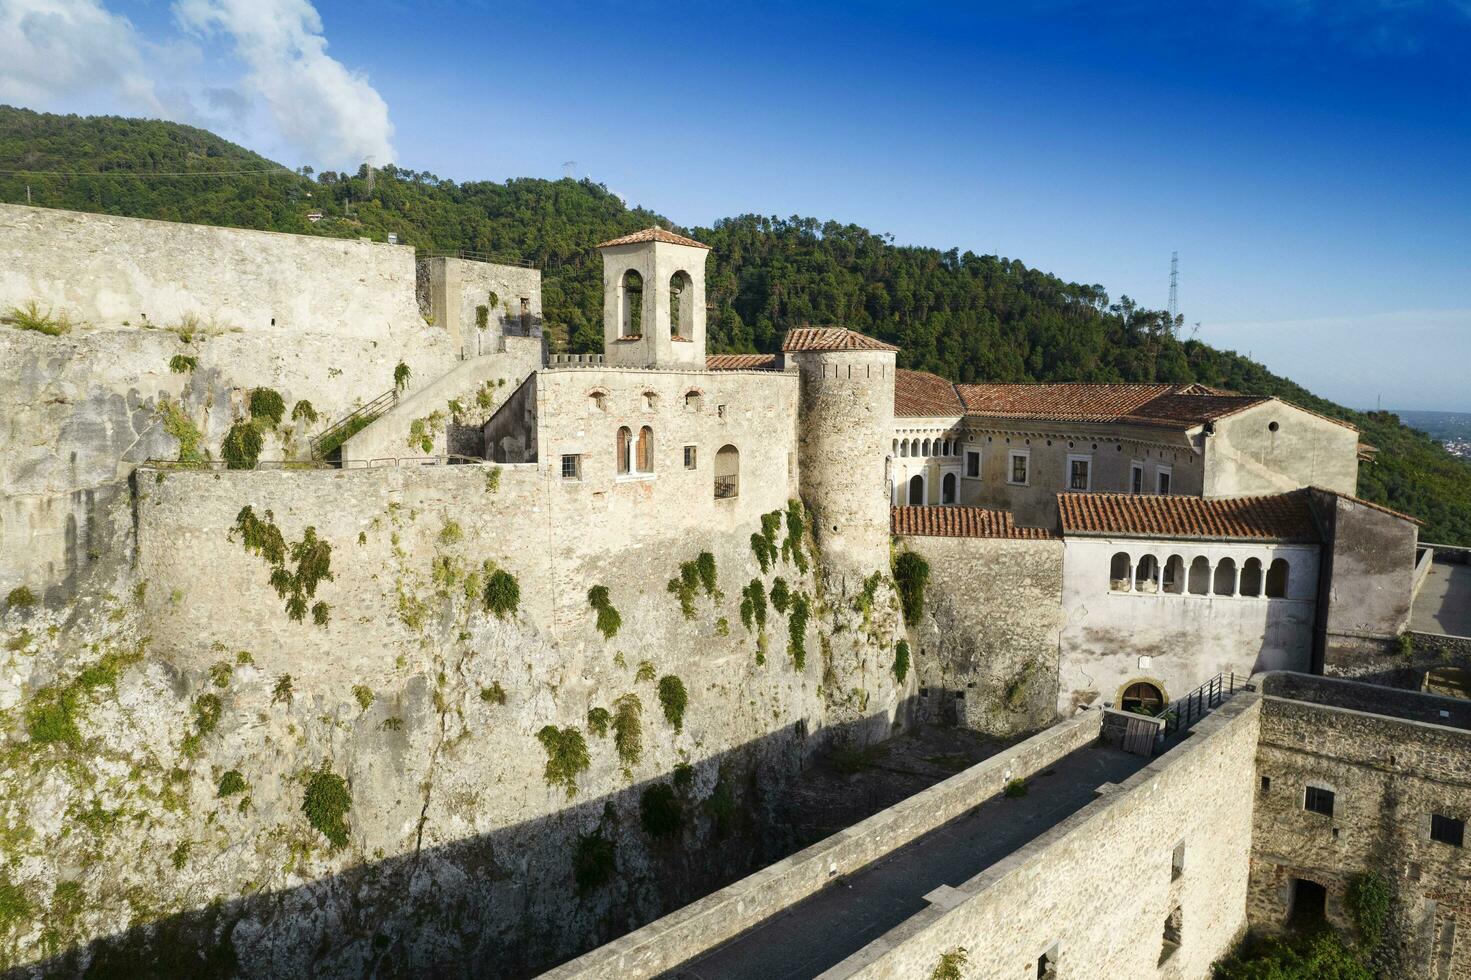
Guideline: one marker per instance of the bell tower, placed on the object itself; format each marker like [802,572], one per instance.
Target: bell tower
[654,300]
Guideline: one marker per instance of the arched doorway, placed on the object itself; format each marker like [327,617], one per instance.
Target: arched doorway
[916,490]
[947,489]
[1142,697]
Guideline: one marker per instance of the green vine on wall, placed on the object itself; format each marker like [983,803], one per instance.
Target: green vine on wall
[311,556]
[183,363]
[901,661]
[660,811]
[781,596]
[594,859]
[566,756]
[502,594]
[267,405]
[674,698]
[628,728]
[242,445]
[791,548]
[753,605]
[911,575]
[950,963]
[179,425]
[1368,899]
[797,631]
[609,621]
[598,720]
[326,804]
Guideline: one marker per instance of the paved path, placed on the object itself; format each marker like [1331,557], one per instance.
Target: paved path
[821,931]
[1444,602]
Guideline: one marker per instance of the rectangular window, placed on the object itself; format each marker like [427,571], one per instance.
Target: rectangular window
[1019,462]
[1447,830]
[1318,800]
[571,467]
[1162,480]
[1079,472]
[973,463]
[1136,477]
[1266,784]
[689,457]
[1177,862]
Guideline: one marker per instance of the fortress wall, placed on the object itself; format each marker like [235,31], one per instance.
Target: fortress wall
[1388,776]
[1098,887]
[107,270]
[712,920]
[454,288]
[993,612]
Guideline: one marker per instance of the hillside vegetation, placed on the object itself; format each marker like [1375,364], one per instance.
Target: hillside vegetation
[968,317]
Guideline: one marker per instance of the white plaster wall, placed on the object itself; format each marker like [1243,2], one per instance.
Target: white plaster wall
[1246,456]
[1187,638]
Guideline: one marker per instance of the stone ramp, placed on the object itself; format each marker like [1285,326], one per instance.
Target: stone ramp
[822,930]
[1443,604]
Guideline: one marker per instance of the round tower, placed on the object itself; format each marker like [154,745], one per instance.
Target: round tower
[845,426]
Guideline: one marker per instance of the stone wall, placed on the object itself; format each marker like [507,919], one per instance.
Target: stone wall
[1177,641]
[1275,447]
[1388,775]
[1368,577]
[987,646]
[1095,890]
[453,291]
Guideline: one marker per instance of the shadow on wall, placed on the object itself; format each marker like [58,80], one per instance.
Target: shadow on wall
[468,908]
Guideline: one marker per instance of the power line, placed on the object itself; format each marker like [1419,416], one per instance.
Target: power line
[122,174]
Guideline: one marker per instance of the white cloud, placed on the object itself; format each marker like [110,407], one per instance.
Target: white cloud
[55,54]
[331,115]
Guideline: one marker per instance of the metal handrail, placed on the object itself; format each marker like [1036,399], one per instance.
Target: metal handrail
[448,459]
[1185,712]
[377,407]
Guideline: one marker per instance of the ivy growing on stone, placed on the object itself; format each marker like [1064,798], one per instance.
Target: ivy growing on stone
[242,445]
[401,376]
[232,782]
[364,695]
[594,859]
[674,698]
[502,594]
[1368,899]
[267,405]
[863,602]
[598,720]
[20,597]
[797,631]
[628,728]
[705,568]
[566,756]
[422,431]
[684,587]
[911,575]
[753,605]
[901,661]
[183,363]
[608,619]
[283,690]
[494,694]
[645,671]
[950,964]
[781,596]
[791,548]
[303,411]
[179,425]
[311,558]
[326,804]
[660,811]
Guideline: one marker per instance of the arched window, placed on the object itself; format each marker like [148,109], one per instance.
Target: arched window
[1174,578]
[916,491]
[945,448]
[1251,577]
[597,400]
[624,450]
[903,445]
[914,447]
[1146,574]
[645,450]
[925,448]
[681,306]
[693,400]
[1277,579]
[727,472]
[630,323]
[1200,576]
[1120,570]
[947,489]
[1142,697]
[650,401]
[1225,577]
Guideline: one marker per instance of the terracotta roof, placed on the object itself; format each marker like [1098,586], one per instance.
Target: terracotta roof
[919,393]
[1060,402]
[961,522]
[740,362]
[1193,409]
[1280,517]
[830,338]
[653,235]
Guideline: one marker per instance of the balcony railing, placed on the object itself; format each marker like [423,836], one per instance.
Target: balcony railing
[727,486]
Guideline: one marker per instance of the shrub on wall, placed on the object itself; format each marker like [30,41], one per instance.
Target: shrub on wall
[911,575]
[753,605]
[593,860]
[901,661]
[797,631]
[401,376]
[179,425]
[1310,955]
[684,587]
[628,728]
[232,782]
[267,405]
[608,619]
[781,596]
[705,568]
[660,811]
[950,964]
[674,698]
[566,756]
[1368,899]
[183,363]
[303,411]
[598,720]
[242,445]
[326,804]
[30,317]
[502,594]
[791,548]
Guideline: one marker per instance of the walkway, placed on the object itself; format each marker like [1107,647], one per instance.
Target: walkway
[1444,602]
[824,929]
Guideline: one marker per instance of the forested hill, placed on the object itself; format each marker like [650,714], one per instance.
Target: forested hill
[968,317]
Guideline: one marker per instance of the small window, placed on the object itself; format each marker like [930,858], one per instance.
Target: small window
[1273,426]
[693,401]
[1162,480]
[624,450]
[1277,579]
[571,467]
[1018,468]
[1080,472]
[1447,830]
[1136,478]
[689,457]
[973,463]
[1318,800]
[1266,785]
[947,489]
[1174,926]
[650,401]
[720,411]
[1177,862]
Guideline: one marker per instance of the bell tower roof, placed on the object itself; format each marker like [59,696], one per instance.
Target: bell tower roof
[655,234]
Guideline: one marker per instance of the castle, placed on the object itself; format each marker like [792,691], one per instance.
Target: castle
[1086,548]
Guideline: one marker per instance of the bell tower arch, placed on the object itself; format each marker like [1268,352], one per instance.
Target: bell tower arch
[654,300]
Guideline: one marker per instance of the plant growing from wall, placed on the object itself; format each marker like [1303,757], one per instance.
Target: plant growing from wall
[494,694]
[645,671]
[901,660]
[863,601]
[598,720]
[797,631]
[781,596]
[267,406]
[1368,900]
[311,558]
[705,568]
[242,445]
[674,698]
[232,782]
[51,716]
[502,594]
[1015,789]
[283,690]
[911,575]
[20,597]
[1312,955]
[660,811]
[753,605]
[593,860]
[566,756]
[183,363]
[364,696]
[179,425]
[423,431]
[303,411]
[791,548]
[608,619]
[950,964]
[401,376]
[763,544]
[493,479]
[29,317]
[1404,645]
[722,805]
[684,586]
[482,316]
[326,804]
[628,728]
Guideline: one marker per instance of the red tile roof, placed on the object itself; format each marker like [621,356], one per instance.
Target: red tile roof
[653,235]
[740,362]
[1059,402]
[830,338]
[961,522]
[919,393]
[1280,517]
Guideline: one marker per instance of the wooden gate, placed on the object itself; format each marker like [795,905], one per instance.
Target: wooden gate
[1139,736]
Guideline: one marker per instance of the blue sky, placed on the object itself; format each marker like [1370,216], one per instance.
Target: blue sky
[1309,160]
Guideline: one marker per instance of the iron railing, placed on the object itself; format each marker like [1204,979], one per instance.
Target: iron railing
[449,459]
[374,408]
[727,486]
[1186,711]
